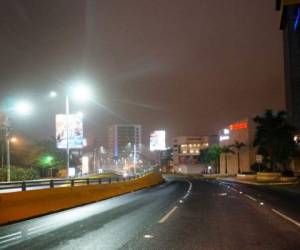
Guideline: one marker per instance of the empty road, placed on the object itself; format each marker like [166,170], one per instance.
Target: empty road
[180,214]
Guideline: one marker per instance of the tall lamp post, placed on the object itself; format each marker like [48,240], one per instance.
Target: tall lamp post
[79,92]
[21,108]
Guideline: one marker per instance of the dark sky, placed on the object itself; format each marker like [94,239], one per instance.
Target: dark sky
[190,66]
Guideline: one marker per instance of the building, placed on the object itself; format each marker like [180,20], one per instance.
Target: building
[241,131]
[290,24]
[124,140]
[186,150]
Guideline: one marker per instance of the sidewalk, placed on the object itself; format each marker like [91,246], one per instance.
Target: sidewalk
[286,186]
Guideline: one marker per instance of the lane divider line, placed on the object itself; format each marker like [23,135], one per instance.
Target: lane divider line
[250,197]
[9,235]
[163,219]
[33,231]
[10,239]
[286,217]
[189,190]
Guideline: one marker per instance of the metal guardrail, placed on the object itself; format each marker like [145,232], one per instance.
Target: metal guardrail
[54,183]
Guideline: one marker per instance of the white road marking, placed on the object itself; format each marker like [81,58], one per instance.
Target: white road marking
[250,197]
[10,239]
[163,219]
[286,217]
[241,192]
[181,201]
[9,235]
[39,229]
[148,236]
[222,194]
[261,203]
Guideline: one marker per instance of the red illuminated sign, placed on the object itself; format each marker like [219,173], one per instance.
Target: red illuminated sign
[238,126]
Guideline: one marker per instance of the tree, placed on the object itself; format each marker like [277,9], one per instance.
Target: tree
[238,146]
[274,138]
[211,155]
[226,150]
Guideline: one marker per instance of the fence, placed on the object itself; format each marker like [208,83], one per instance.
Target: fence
[53,183]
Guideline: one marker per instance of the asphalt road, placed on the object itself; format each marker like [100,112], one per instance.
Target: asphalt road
[182,214]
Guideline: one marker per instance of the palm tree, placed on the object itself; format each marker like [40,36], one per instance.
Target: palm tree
[226,150]
[238,147]
[274,138]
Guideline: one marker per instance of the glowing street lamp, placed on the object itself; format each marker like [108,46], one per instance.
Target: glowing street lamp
[22,108]
[14,140]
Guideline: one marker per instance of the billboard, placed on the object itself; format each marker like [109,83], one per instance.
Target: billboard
[158,140]
[75,131]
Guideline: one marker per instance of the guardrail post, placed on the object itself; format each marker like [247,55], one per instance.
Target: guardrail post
[109,180]
[87,181]
[72,183]
[99,181]
[51,184]
[23,186]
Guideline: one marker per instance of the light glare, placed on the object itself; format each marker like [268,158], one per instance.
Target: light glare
[81,93]
[23,108]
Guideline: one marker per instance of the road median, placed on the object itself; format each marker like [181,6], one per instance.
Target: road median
[24,205]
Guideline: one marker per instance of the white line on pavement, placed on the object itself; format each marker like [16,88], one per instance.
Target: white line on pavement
[10,239]
[286,217]
[9,235]
[250,197]
[163,219]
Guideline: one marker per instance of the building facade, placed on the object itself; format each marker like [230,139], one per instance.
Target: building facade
[290,24]
[186,150]
[123,140]
[241,131]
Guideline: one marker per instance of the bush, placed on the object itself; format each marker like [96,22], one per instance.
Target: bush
[287,173]
[249,173]
[18,174]
[256,167]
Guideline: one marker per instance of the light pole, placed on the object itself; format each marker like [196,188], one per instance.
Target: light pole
[78,92]
[67,125]
[7,141]
[21,108]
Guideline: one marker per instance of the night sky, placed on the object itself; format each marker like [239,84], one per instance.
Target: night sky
[190,66]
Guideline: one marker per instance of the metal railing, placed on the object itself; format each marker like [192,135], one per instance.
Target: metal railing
[55,183]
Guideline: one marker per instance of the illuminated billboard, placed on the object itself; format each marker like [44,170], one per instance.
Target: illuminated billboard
[75,131]
[158,140]
[85,165]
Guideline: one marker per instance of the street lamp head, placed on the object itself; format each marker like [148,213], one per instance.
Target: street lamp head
[23,108]
[81,93]
[52,94]
[13,139]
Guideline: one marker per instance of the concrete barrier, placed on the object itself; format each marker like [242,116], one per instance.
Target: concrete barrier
[288,179]
[246,177]
[23,205]
[268,177]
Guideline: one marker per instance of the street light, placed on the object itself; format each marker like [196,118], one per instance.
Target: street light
[23,108]
[79,92]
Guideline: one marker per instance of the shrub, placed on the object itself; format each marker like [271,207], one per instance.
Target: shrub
[287,173]
[249,173]
[256,167]
[18,174]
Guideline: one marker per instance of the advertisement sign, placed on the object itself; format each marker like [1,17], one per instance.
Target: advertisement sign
[85,165]
[158,140]
[75,131]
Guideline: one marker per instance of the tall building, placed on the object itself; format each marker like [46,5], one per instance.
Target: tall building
[186,150]
[242,131]
[290,24]
[123,140]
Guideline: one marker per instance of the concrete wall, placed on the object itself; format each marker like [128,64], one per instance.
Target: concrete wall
[23,205]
